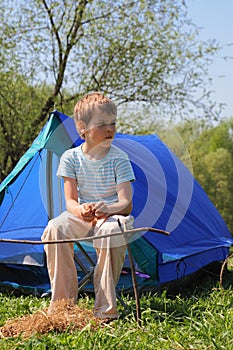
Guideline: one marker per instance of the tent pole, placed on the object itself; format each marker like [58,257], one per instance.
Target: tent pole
[49,185]
[60,194]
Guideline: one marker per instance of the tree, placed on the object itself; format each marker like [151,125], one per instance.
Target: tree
[19,106]
[219,165]
[143,51]
[212,159]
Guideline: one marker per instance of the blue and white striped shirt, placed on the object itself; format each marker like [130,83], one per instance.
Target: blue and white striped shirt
[96,180]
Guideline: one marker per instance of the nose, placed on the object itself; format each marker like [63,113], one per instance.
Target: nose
[110,127]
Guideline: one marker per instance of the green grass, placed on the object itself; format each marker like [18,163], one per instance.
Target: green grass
[198,318]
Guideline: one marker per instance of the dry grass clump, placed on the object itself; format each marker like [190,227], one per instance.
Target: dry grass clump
[62,316]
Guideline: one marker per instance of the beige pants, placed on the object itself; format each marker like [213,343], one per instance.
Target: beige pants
[110,259]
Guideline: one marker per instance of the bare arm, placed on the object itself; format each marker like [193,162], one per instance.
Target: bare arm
[73,206]
[122,207]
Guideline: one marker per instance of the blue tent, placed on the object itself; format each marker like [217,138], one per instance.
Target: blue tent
[166,196]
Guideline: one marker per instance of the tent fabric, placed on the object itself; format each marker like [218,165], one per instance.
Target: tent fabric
[165,196]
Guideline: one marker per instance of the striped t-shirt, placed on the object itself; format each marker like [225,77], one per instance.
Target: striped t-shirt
[96,180]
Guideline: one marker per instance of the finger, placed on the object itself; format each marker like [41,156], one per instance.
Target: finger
[98,205]
[85,209]
[100,214]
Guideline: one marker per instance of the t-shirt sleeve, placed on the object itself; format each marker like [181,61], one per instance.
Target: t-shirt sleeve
[124,170]
[66,166]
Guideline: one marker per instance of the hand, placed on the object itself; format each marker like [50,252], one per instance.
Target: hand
[86,212]
[100,209]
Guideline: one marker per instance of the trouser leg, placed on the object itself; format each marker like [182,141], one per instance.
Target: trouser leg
[106,276]
[111,255]
[60,257]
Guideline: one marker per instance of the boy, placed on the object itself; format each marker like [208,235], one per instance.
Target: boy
[97,190]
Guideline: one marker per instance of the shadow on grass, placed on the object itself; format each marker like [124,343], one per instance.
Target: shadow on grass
[177,298]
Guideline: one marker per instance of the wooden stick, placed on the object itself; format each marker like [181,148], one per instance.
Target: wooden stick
[222,269]
[90,238]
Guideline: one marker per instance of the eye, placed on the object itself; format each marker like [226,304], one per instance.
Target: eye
[105,124]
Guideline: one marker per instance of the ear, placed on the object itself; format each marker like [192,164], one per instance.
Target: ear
[81,126]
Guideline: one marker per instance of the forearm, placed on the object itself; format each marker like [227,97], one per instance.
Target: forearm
[73,207]
[120,208]
[71,196]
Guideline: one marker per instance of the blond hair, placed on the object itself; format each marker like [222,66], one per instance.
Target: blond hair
[92,103]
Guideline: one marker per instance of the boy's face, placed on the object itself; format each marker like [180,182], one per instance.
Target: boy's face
[101,129]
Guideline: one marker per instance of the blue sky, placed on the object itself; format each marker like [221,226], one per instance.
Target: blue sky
[215,20]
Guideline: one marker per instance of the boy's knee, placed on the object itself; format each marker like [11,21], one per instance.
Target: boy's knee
[52,232]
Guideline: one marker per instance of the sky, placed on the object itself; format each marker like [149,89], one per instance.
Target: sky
[215,20]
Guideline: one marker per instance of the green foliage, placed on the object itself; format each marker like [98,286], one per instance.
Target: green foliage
[19,103]
[212,160]
[134,51]
[202,320]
